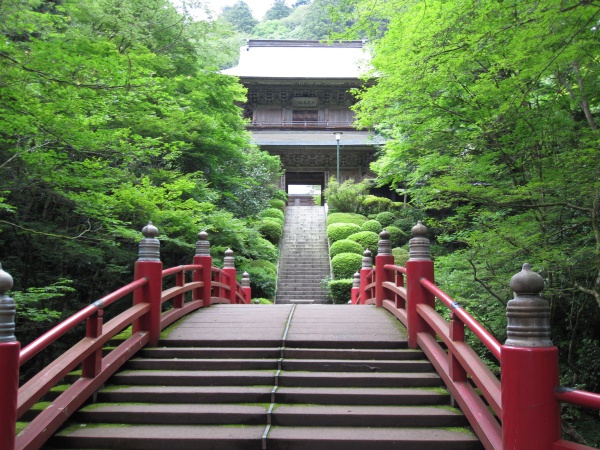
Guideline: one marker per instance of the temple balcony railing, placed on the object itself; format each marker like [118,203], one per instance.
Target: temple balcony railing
[304,124]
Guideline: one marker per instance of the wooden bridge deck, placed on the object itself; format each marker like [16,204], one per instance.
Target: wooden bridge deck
[326,325]
[305,377]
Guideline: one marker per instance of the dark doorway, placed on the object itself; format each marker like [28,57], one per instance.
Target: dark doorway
[313,183]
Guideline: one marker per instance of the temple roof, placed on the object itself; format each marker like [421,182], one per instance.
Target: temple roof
[295,59]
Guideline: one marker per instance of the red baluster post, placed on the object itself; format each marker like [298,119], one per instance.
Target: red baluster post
[457,334]
[529,363]
[149,266]
[229,269]
[384,256]
[203,258]
[90,368]
[398,299]
[418,266]
[179,300]
[366,269]
[355,291]
[246,287]
[10,349]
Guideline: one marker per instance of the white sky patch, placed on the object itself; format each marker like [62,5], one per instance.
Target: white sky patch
[258,7]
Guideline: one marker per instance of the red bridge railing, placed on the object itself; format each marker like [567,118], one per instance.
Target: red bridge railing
[204,285]
[519,412]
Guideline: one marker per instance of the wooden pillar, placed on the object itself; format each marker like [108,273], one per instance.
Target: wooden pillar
[366,269]
[204,259]
[91,366]
[150,267]
[246,287]
[384,256]
[418,266]
[10,350]
[529,363]
[355,292]
[229,269]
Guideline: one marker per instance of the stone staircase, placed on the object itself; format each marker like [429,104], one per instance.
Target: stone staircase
[320,386]
[304,256]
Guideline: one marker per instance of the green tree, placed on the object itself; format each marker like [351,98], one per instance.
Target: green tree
[279,10]
[112,114]
[491,111]
[240,17]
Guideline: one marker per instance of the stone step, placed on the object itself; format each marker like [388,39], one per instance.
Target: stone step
[314,365]
[286,415]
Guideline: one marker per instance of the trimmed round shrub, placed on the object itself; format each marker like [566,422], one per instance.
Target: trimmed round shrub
[340,290]
[372,225]
[345,265]
[400,256]
[345,246]
[277,203]
[271,230]
[385,218]
[397,236]
[374,205]
[263,277]
[272,212]
[337,231]
[261,248]
[366,239]
[357,219]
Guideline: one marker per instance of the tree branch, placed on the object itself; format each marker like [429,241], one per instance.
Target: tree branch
[57,80]
[72,238]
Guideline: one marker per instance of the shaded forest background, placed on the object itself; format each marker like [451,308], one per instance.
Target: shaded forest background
[113,113]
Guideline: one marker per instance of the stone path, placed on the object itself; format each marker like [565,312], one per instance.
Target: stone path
[304,256]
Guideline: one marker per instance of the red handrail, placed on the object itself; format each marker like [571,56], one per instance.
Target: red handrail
[52,335]
[459,365]
[484,335]
[577,397]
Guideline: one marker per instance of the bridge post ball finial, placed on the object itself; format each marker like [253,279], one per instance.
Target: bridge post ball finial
[528,314]
[245,279]
[367,261]
[149,245]
[356,280]
[229,261]
[203,245]
[150,231]
[418,246]
[7,308]
[385,244]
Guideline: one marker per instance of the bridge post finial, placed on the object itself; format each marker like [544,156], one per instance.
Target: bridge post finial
[229,260]
[149,266]
[202,244]
[528,314]
[203,258]
[419,246]
[149,245]
[418,266]
[10,350]
[384,246]
[530,411]
[367,261]
[384,257]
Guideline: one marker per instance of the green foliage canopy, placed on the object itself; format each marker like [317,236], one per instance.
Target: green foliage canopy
[113,114]
[491,113]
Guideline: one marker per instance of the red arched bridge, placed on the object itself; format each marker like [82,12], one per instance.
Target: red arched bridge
[393,375]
